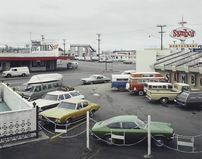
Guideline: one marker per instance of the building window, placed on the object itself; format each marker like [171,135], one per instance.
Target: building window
[38,63]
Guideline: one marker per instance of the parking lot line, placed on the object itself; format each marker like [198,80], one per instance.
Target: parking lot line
[57,135]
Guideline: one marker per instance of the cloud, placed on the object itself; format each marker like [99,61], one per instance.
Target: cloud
[123,23]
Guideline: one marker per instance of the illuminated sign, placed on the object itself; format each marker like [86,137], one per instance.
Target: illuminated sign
[182,33]
[183,45]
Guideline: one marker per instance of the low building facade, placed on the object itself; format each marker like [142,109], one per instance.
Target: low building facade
[41,56]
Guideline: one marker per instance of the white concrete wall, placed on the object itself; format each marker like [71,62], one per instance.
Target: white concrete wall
[13,99]
[145,60]
[21,119]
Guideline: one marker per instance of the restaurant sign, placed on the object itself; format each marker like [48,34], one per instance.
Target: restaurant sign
[182,33]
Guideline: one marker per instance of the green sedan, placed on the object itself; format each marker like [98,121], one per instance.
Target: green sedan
[133,129]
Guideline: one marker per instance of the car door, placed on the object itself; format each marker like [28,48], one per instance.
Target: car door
[85,107]
[14,72]
[133,133]
[115,129]
[78,111]
[37,92]
[100,79]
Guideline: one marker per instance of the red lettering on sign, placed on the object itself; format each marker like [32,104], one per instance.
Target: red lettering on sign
[183,33]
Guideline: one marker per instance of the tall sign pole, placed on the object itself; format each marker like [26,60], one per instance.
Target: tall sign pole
[148,155]
[161,32]
[87,131]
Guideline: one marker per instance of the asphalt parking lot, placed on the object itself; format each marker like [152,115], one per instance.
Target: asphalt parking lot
[186,122]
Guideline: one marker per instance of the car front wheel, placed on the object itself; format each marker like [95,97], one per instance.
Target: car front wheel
[92,113]
[159,141]
[164,100]
[108,140]
[8,75]
[141,93]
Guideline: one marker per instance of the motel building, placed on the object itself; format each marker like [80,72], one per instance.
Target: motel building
[184,62]
[41,56]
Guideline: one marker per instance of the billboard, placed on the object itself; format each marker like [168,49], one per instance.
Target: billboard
[182,33]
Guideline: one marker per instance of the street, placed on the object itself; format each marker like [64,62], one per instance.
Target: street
[186,122]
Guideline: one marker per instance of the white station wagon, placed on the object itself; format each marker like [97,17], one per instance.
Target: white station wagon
[52,99]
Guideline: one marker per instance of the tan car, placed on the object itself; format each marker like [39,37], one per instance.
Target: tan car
[69,110]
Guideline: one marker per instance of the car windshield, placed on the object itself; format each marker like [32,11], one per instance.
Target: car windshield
[50,97]
[93,76]
[67,105]
[74,94]
[29,88]
[183,95]
[140,123]
[108,121]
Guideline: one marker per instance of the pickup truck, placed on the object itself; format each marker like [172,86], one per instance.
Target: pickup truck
[119,81]
[166,95]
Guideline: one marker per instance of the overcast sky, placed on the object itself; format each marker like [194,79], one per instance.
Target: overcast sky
[123,24]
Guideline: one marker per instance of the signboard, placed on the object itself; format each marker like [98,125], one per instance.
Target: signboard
[183,45]
[36,43]
[182,33]
[197,49]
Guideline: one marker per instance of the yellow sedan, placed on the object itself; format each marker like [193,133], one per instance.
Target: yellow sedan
[70,110]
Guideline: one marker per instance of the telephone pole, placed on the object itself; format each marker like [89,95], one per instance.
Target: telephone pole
[161,32]
[98,47]
[64,45]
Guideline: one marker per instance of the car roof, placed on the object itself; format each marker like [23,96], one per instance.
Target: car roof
[74,100]
[59,92]
[96,75]
[181,84]
[123,118]
[128,71]
[158,83]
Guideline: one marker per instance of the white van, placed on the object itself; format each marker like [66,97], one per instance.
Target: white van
[16,71]
[40,84]
[157,86]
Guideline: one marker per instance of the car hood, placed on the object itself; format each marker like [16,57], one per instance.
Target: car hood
[5,71]
[56,113]
[44,102]
[86,79]
[161,127]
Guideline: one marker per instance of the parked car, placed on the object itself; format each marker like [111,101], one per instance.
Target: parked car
[128,72]
[52,99]
[128,61]
[70,110]
[16,71]
[192,99]
[133,128]
[166,95]
[67,64]
[38,85]
[95,79]
[119,81]
[136,81]
[72,65]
